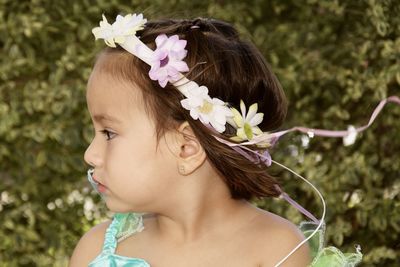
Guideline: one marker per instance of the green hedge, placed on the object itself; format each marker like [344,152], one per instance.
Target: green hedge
[335,59]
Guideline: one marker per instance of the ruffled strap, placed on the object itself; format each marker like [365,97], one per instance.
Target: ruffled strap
[333,257]
[110,241]
[317,241]
[327,256]
[129,223]
[122,226]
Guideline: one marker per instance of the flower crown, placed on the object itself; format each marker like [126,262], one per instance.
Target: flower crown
[167,65]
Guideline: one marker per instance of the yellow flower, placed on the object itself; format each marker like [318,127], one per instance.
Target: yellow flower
[246,125]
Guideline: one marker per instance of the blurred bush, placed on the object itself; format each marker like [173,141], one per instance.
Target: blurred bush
[335,60]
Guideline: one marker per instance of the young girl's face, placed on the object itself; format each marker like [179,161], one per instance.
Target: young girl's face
[124,155]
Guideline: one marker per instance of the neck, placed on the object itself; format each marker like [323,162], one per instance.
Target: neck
[199,213]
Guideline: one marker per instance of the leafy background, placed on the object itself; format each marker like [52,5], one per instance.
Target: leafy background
[335,59]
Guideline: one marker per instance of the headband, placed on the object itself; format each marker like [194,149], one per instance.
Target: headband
[167,65]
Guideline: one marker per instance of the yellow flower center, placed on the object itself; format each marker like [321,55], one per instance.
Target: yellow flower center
[248,131]
[206,107]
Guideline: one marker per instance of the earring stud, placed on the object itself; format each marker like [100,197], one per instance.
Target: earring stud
[182,169]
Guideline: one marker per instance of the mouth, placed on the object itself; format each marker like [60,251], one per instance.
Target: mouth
[101,188]
[95,179]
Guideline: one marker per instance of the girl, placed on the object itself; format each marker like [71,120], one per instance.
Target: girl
[166,158]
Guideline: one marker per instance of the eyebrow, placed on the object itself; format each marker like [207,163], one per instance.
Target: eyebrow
[105,117]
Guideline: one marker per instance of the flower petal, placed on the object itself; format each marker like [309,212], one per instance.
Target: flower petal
[203,90]
[96,32]
[194,114]
[243,108]
[160,55]
[110,42]
[174,38]
[153,73]
[119,18]
[237,117]
[104,19]
[204,118]
[257,119]
[178,55]
[257,130]
[231,122]
[180,66]
[217,126]
[252,111]
[195,102]
[171,71]
[120,39]
[217,101]
[160,39]
[236,139]
[179,45]
[163,83]
[220,117]
[185,104]
[240,133]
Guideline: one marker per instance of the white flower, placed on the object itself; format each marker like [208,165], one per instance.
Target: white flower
[200,104]
[351,137]
[120,29]
[246,125]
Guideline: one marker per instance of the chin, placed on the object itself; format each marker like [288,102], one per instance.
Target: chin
[123,208]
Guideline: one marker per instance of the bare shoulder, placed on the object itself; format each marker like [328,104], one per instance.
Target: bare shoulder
[89,246]
[277,237]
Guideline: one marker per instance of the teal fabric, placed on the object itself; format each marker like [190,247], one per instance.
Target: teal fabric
[122,225]
[125,224]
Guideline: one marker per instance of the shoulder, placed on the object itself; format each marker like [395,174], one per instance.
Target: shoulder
[276,238]
[89,246]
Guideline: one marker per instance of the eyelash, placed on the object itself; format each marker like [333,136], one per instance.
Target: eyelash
[107,133]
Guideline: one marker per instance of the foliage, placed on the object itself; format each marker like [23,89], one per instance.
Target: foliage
[335,60]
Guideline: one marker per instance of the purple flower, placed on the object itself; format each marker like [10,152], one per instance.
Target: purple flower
[167,63]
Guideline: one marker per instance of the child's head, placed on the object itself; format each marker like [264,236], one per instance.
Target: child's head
[231,68]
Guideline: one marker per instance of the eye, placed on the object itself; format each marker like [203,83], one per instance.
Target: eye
[107,133]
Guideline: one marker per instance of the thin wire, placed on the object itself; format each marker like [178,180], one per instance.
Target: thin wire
[323,212]
[321,221]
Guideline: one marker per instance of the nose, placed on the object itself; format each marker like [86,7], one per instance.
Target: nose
[92,155]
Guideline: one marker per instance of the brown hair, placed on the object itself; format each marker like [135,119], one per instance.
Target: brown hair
[232,69]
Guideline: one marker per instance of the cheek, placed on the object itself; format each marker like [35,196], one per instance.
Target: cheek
[128,159]
[136,168]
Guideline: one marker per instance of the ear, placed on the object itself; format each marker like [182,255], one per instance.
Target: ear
[191,154]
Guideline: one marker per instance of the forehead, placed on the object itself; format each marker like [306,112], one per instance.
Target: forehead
[111,99]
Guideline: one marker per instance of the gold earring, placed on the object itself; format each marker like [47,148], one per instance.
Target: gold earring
[182,169]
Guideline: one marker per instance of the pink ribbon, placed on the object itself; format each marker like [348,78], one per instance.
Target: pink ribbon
[330,133]
[266,158]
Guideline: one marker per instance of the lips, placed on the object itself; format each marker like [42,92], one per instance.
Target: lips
[101,187]
[95,179]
